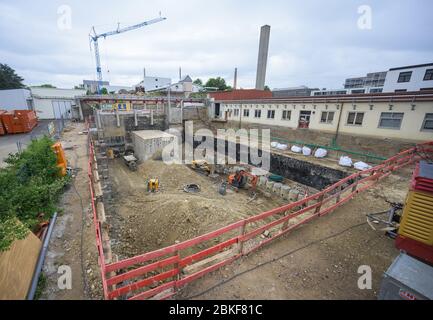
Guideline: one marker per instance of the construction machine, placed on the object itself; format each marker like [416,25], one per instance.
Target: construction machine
[410,276]
[153,185]
[201,165]
[240,179]
[131,162]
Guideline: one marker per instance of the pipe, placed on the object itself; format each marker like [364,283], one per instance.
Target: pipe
[41,259]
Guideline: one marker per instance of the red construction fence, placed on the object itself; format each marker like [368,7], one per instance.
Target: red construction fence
[160,273]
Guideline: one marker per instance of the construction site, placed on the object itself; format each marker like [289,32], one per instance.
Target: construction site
[186,191]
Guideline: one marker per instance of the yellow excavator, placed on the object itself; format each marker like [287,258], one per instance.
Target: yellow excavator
[201,165]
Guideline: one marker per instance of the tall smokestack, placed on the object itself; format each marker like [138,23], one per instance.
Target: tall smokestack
[180,73]
[265,33]
[235,81]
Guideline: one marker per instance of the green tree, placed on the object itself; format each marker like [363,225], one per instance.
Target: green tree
[267,88]
[47,85]
[218,82]
[104,91]
[9,79]
[198,82]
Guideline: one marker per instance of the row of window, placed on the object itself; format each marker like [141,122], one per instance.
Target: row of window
[258,113]
[405,76]
[389,120]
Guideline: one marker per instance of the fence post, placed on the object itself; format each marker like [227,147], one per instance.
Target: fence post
[356,184]
[285,223]
[241,234]
[319,200]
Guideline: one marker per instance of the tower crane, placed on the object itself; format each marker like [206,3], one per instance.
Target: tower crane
[94,38]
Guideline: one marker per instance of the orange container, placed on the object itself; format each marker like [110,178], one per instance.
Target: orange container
[19,121]
[2,129]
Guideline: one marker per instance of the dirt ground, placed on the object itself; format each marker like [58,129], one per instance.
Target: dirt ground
[316,261]
[319,260]
[73,240]
[146,221]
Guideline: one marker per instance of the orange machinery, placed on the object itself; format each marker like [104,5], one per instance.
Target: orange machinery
[240,179]
[61,158]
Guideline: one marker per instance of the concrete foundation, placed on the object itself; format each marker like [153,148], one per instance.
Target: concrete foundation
[150,143]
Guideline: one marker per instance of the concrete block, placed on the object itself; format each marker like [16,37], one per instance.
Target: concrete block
[262,181]
[277,188]
[270,185]
[284,192]
[294,195]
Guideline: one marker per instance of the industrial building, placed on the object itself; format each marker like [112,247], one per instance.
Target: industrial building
[399,116]
[16,99]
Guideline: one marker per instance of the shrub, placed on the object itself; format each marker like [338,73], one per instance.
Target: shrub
[30,187]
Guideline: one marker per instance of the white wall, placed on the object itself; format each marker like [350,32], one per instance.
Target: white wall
[411,125]
[15,99]
[415,84]
[53,103]
[151,83]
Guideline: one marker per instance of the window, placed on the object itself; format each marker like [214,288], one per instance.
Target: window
[358,91]
[257,113]
[390,120]
[428,75]
[426,89]
[287,114]
[355,118]
[236,112]
[327,117]
[404,76]
[401,90]
[246,113]
[376,90]
[271,114]
[428,122]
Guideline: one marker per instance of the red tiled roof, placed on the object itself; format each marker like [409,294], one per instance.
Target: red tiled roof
[243,94]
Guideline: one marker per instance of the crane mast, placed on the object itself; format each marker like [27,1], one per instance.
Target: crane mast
[94,37]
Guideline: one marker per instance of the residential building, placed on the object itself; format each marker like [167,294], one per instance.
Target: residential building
[16,99]
[152,83]
[183,88]
[410,78]
[407,116]
[372,83]
[301,91]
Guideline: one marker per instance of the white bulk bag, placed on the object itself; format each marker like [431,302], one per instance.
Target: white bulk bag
[282,146]
[345,161]
[361,166]
[320,153]
[274,144]
[296,149]
[306,151]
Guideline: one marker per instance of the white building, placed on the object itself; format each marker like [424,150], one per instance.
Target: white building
[403,116]
[182,88]
[16,99]
[152,83]
[53,103]
[411,78]
[92,85]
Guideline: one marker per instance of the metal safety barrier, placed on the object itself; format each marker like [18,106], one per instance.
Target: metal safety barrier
[159,274]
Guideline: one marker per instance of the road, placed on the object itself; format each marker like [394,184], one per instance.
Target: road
[8,143]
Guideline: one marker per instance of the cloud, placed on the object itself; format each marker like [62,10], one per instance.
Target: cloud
[312,43]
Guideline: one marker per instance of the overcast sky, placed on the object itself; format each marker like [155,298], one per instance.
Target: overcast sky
[313,43]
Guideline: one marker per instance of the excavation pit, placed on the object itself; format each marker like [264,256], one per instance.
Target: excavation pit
[141,221]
